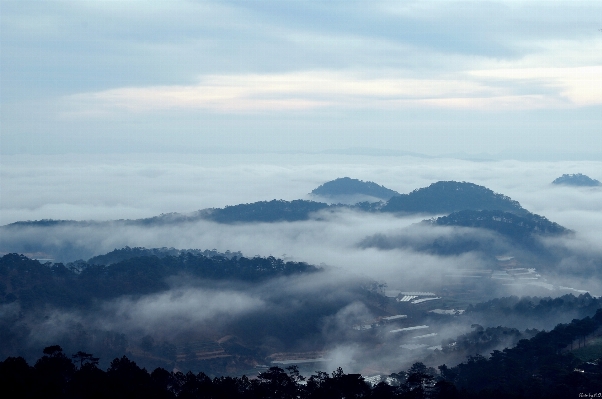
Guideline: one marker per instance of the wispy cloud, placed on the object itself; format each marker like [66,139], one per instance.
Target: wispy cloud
[480,89]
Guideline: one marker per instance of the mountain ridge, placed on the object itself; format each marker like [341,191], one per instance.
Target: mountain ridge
[345,186]
[577,179]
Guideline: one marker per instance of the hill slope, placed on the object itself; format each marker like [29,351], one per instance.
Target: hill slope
[508,224]
[577,179]
[265,211]
[346,186]
[451,196]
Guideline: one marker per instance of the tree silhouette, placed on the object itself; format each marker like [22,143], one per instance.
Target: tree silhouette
[85,359]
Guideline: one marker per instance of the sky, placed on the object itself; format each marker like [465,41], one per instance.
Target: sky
[501,79]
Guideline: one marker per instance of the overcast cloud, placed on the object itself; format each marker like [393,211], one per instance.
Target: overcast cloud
[431,77]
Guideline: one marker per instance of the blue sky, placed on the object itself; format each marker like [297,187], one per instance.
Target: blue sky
[434,77]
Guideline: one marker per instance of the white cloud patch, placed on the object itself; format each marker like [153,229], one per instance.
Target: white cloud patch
[578,86]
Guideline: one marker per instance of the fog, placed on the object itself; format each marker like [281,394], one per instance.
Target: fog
[342,242]
[84,187]
[134,186]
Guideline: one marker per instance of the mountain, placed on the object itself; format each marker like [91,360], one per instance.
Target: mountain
[118,255]
[508,224]
[492,233]
[576,179]
[265,211]
[162,219]
[451,196]
[439,198]
[78,284]
[347,187]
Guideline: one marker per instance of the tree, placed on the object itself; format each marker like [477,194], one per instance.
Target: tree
[85,359]
[420,381]
[53,371]
[276,383]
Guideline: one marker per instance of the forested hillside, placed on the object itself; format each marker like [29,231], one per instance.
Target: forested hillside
[516,227]
[346,186]
[449,196]
[576,179]
[35,284]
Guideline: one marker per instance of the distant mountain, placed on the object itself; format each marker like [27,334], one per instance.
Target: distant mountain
[118,255]
[493,232]
[264,211]
[347,187]
[576,179]
[452,196]
[162,219]
[508,224]
[35,284]
[443,197]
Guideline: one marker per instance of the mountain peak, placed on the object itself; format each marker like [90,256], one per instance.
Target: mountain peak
[576,179]
[348,187]
[451,196]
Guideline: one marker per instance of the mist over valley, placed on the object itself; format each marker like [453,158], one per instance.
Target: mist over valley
[300,199]
[319,284]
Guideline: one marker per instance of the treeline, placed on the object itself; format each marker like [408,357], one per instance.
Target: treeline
[541,367]
[117,255]
[34,284]
[266,211]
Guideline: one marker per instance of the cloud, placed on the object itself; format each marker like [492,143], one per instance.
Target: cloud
[179,311]
[551,87]
[578,86]
[134,186]
[186,76]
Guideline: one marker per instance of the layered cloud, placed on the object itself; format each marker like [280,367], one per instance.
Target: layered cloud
[429,77]
[483,89]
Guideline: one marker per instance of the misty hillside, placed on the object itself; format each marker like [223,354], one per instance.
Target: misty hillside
[162,219]
[538,312]
[508,224]
[439,198]
[34,284]
[576,179]
[491,233]
[450,196]
[347,187]
[265,211]
[185,304]
[118,255]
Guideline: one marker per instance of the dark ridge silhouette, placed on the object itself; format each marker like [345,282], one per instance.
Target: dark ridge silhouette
[443,197]
[118,255]
[50,223]
[450,196]
[346,186]
[576,179]
[508,224]
[511,233]
[265,211]
[34,284]
[543,366]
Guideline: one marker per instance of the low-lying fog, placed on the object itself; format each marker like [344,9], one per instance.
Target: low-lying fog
[137,186]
